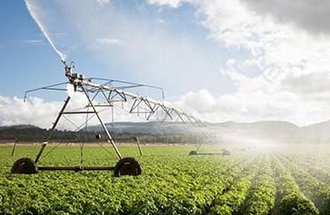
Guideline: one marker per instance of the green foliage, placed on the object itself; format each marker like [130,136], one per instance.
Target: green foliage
[261,198]
[291,199]
[296,204]
[315,189]
[230,201]
[172,183]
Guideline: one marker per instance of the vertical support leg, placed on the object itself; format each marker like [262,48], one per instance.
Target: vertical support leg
[14,147]
[198,146]
[44,144]
[103,126]
[81,153]
[138,144]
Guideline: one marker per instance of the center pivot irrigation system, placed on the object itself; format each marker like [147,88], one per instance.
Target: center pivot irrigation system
[197,151]
[101,94]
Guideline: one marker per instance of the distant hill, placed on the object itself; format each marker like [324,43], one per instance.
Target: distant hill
[147,128]
[317,133]
[124,132]
[23,132]
[32,133]
[232,132]
[261,132]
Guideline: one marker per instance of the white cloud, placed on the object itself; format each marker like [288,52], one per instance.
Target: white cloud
[201,101]
[33,41]
[258,105]
[36,111]
[140,48]
[170,3]
[281,71]
[15,111]
[103,2]
[309,15]
[291,71]
[109,41]
[161,21]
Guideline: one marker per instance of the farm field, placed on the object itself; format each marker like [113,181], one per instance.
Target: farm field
[268,180]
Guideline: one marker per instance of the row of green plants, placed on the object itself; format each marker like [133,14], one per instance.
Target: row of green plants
[172,183]
[315,189]
[290,199]
[261,197]
[230,201]
[314,167]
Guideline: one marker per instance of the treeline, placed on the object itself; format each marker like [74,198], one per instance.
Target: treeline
[27,133]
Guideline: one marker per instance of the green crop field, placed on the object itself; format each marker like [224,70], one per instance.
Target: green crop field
[273,180]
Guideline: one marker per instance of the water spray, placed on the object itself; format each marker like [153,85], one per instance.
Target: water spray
[43,29]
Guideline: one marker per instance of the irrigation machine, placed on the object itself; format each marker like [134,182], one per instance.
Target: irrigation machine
[208,133]
[101,94]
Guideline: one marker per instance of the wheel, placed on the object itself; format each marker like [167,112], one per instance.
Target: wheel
[226,152]
[98,136]
[193,153]
[24,166]
[127,166]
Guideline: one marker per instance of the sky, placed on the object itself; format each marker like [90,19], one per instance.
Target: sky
[221,60]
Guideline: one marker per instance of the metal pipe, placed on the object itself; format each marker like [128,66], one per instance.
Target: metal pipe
[138,144]
[49,87]
[52,130]
[75,168]
[209,153]
[58,117]
[40,152]
[77,112]
[14,147]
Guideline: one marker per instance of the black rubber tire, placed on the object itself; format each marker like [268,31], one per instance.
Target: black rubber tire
[127,166]
[24,166]
[193,153]
[98,136]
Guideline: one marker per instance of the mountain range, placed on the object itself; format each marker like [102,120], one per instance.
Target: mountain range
[232,132]
[260,132]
